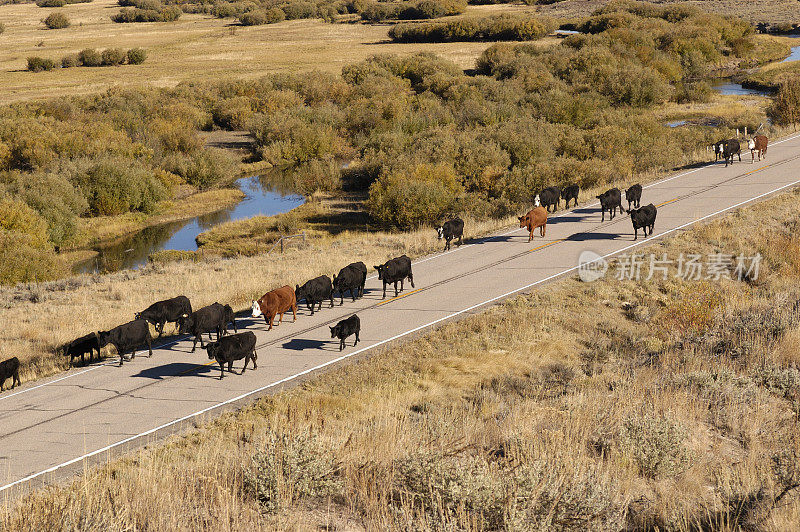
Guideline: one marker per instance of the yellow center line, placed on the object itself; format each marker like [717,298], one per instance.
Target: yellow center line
[548,244]
[757,170]
[398,297]
[198,366]
[667,202]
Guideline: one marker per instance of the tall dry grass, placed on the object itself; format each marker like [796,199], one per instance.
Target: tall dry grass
[662,404]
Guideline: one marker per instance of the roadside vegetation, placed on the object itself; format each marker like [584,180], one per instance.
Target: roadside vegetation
[660,404]
[493,28]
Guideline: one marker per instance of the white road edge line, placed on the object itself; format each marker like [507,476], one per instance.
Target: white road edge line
[377,344]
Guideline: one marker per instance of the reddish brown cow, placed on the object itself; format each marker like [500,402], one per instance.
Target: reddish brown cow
[535,218]
[276,302]
[758,144]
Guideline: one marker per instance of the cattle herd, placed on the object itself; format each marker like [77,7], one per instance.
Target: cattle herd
[728,148]
[216,318]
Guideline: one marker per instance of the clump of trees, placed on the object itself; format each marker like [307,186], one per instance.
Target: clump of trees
[59,3]
[90,57]
[56,21]
[494,28]
[146,11]
[785,108]
[422,9]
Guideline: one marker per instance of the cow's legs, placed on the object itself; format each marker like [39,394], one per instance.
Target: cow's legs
[384,290]
[16,381]
[411,278]
[194,345]
[357,340]
[602,215]
[294,313]
[221,369]
[636,233]
[269,320]
[255,356]
[230,366]
[341,344]
[543,229]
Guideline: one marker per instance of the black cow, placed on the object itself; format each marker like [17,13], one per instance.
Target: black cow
[205,320]
[352,277]
[570,192]
[128,337]
[161,312]
[9,369]
[230,317]
[728,149]
[548,197]
[634,196]
[451,229]
[81,346]
[234,347]
[610,200]
[345,328]
[394,271]
[644,218]
[315,291]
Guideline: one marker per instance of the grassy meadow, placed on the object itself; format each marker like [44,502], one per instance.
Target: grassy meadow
[659,405]
[196,46]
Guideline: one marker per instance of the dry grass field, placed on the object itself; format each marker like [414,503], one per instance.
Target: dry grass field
[659,405]
[191,48]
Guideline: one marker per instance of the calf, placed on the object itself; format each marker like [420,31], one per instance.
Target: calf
[205,320]
[451,229]
[276,302]
[535,218]
[81,346]
[9,369]
[127,337]
[634,196]
[230,317]
[728,149]
[160,312]
[548,197]
[345,328]
[717,146]
[352,277]
[315,291]
[234,347]
[757,144]
[394,271]
[610,201]
[644,218]
[570,192]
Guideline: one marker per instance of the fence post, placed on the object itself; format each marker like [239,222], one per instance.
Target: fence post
[304,236]
[281,244]
[745,131]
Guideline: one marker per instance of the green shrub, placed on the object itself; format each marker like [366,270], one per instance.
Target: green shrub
[406,201]
[56,21]
[136,56]
[112,185]
[90,57]
[275,15]
[499,27]
[289,468]
[785,107]
[164,14]
[299,10]
[423,9]
[655,444]
[253,18]
[38,64]
[208,167]
[70,60]
[51,3]
[232,113]
[113,57]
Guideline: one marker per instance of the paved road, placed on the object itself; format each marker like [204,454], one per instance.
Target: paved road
[48,429]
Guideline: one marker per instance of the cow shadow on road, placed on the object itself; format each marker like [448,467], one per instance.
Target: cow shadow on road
[299,344]
[584,237]
[176,369]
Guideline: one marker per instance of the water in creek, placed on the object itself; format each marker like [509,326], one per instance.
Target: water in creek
[131,252]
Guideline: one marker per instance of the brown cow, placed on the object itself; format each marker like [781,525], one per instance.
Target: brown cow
[276,302]
[757,144]
[535,218]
